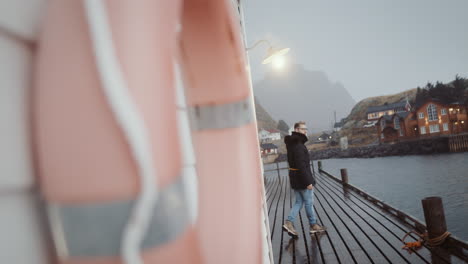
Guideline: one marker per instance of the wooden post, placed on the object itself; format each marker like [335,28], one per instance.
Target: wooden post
[344,176]
[436,226]
[434,216]
[319,164]
[440,255]
[278,171]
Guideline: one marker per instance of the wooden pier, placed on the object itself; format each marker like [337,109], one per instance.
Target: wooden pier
[458,143]
[360,228]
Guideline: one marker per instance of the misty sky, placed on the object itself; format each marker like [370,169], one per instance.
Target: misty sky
[373,47]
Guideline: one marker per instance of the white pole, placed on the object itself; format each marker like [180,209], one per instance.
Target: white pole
[267,248]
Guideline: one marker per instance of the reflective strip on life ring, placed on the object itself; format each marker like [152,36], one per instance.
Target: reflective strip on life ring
[95,230]
[228,115]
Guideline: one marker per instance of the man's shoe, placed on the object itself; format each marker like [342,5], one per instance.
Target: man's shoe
[289,227]
[316,228]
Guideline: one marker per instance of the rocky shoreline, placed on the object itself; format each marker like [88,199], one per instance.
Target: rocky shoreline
[415,147]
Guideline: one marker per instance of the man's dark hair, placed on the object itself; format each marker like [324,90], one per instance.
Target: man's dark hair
[296,125]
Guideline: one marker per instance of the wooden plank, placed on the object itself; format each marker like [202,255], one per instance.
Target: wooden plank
[269,181]
[391,231]
[313,242]
[364,234]
[347,231]
[300,249]
[277,232]
[343,253]
[370,211]
[269,184]
[289,245]
[359,221]
[273,199]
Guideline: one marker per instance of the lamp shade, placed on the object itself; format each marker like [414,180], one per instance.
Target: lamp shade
[273,52]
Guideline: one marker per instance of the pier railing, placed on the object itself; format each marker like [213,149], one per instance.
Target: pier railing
[454,244]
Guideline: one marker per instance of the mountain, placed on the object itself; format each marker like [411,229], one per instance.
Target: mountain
[264,120]
[299,94]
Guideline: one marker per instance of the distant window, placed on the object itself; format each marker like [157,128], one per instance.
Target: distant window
[445,127]
[443,111]
[396,122]
[434,128]
[401,132]
[423,130]
[421,115]
[432,112]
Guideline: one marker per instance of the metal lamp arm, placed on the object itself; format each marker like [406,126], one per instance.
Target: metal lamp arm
[258,42]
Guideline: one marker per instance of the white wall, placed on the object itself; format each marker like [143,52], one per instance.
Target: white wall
[22,234]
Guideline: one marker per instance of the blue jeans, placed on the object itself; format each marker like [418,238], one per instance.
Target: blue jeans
[303,197]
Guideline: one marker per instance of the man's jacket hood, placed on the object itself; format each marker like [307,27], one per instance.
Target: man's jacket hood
[295,138]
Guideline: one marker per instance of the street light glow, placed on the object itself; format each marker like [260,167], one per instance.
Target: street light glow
[278,62]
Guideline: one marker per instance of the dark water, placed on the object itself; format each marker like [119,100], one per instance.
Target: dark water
[404,181]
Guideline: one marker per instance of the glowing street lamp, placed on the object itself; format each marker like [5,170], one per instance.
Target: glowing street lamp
[274,55]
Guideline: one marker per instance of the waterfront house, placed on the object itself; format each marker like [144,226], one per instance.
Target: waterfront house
[376,112]
[431,118]
[324,137]
[268,135]
[397,126]
[268,149]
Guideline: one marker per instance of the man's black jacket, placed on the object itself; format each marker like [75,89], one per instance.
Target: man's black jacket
[300,174]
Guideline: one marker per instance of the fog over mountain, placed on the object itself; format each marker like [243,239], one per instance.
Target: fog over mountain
[300,94]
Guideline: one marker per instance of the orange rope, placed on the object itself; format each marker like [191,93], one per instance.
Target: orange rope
[411,246]
[423,239]
[437,241]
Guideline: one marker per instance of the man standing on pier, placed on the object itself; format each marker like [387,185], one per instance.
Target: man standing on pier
[301,179]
